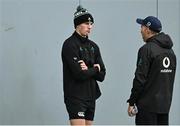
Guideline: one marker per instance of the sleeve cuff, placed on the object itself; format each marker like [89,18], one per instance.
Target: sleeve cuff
[96,69]
[131,102]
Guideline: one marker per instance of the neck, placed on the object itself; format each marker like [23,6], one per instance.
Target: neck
[80,33]
[151,35]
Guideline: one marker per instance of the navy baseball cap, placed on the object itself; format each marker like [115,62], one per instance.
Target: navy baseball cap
[152,22]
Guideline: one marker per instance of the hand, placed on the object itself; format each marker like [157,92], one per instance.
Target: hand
[82,65]
[130,109]
[98,66]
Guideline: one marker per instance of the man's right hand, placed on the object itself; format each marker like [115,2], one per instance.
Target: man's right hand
[83,65]
[130,108]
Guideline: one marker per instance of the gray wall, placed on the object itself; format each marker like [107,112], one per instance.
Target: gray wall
[31,35]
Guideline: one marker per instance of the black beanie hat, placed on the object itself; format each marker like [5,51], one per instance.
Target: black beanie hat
[82,16]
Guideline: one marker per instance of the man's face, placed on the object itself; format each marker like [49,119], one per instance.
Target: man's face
[85,28]
[144,32]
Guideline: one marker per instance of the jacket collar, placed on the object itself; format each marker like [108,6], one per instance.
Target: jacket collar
[82,39]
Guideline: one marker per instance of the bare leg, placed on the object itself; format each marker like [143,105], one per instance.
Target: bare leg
[76,122]
[89,122]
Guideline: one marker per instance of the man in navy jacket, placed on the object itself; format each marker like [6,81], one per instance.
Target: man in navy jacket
[154,77]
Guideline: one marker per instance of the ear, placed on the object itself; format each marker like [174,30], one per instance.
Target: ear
[148,30]
[78,27]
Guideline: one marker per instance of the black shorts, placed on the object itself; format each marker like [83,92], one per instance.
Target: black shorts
[80,109]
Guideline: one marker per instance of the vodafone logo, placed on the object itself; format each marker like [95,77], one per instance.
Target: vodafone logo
[166,62]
